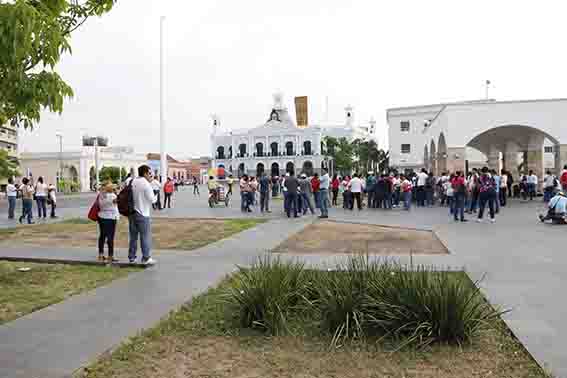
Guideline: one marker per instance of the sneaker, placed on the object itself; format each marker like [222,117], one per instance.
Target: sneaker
[478,220]
[464,220]
[492,220]
[149,261]
[541,218]
[132,261]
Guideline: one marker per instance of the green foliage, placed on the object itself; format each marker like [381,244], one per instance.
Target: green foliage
[68,186]
[110,174]
[8,167]
[264,295]
[360,155]
[33,36]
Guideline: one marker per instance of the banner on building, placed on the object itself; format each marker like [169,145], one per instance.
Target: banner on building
[301,111]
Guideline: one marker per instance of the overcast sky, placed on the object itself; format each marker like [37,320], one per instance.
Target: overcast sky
[228,57]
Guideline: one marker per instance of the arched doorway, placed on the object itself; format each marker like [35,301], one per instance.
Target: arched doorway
[307,168]
[290,167]
[275,169]
[242,150]
[274,149]
[442,155]
[220,152]
[259,169]
[289,148]
[241,169]
[259,149]
[307,148]
[432,158]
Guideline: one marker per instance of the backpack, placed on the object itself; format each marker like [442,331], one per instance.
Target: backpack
[125,200]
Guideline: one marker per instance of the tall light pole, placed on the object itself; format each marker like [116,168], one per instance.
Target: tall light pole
[163,153]
[96,161]
[487,84]
[60,137]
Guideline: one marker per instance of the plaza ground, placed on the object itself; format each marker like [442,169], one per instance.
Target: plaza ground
[521,260]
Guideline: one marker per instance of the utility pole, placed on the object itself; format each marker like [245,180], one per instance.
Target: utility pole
[96,161]
[60,137]
[487,84]
[163,153]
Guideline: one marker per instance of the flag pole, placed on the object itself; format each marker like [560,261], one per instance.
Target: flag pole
[163,153]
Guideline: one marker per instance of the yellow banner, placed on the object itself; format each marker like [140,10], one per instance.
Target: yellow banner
[301,111]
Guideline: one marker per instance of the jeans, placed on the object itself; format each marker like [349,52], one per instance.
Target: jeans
[407,200]
[317,198]
[27,205]
[357,196]
[264,201]
[420,196]
[429,196]
[503,196]
[532,191]
[396,197]
[370,195]
[242,201]
[306,203]
[487,197]
[387,200]
[335,194]
[53,207]
[107,231]
[548,194]
[474,200]
[167,200]
[291,201]
[41,206]
[157,205]
[196,190]
[458,205]
[11,207]
[324,202]
[139,225]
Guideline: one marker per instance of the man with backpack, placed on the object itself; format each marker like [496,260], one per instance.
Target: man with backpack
[135,201]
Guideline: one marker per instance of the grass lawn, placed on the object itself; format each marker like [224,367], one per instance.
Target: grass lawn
[183,234]
[198,341]
[46,284]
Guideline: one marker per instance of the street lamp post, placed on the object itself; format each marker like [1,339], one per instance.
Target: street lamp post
[96,161]
[60,137]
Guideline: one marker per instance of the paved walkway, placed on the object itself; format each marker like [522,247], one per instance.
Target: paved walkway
[523,260]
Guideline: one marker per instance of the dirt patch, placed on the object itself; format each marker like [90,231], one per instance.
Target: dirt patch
[341,238]
[185,234]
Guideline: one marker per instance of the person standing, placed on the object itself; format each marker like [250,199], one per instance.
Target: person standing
[473,189]
[230,183]
[196,187]
[305,194]
[497,181]
[345,192]
[487,194]
[291,188]
[168,189]
[430,189]
[52,199]
[563,179]
[12,194]
[458,185]
[107,218]
[140,221]
[156,186]
[27,200]
[420,184]
[369,188]
[503,188]
[41,198]
[532,182]
[335,183]
[325,184]
[406,189]
[265,187]
[315,187]
[356,186]
[549,185]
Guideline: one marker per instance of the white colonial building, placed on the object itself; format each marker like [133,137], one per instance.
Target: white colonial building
[279,145]
[530,134]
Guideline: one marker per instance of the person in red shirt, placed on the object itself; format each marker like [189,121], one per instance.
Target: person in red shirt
[335,183]
[459,194]
[168,189]
[315,186]
[563,179]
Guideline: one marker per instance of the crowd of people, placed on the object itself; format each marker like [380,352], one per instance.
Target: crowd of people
[39,192]
[480,191]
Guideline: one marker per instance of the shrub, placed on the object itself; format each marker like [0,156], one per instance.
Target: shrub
[266,294]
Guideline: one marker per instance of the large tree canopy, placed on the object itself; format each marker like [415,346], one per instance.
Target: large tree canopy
[33,36]
[360,155]
[7,166]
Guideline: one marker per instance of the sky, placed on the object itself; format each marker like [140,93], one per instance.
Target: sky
[229,57]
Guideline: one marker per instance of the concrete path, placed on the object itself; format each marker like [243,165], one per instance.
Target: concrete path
[524,262]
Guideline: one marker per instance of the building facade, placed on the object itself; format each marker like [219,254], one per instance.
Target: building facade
[78,166]
[279,145]
[513,135]
[176,169]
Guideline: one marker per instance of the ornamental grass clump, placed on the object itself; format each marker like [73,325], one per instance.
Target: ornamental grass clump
[426,306]
[265,295]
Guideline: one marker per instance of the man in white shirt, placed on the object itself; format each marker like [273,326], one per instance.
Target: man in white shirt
[11,193]
[156,186]
[325,182]
[356,185]
[140,222]
[549,186]
[421,181]
[503,187]
[532,184]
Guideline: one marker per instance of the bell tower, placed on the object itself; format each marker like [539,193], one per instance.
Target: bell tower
[349,116]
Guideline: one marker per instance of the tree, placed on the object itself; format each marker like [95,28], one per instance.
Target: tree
[109,174]
[8,168]
[33,36]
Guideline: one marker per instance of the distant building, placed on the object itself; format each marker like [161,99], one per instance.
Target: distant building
[279,145]
[176,169]
[79,165]
[200,168]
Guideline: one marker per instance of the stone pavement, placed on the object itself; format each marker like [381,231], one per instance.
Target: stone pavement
[523,260]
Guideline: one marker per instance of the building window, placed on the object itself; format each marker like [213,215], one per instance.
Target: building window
[406,148]
[548,149]
[404,126]
[289,149]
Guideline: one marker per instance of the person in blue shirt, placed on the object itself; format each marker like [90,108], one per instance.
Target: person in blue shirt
[557,209]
